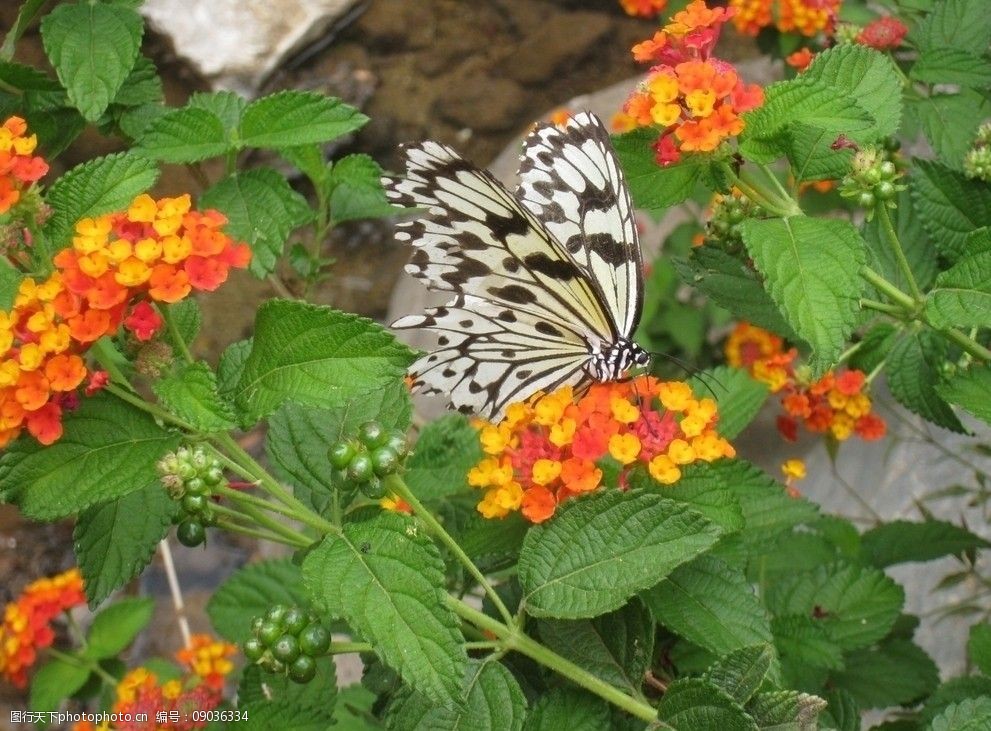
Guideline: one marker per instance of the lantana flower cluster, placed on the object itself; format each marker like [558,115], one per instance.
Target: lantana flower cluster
[27,622]
[837,404]
[643,8]
[118,264]
[555,445]
[693,98]
[19,169]
[200,689]
[806,17]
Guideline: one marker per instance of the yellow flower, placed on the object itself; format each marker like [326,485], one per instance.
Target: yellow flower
[494,439]
[681,452]
[623,411]
[663,470]
[663,88]
[624,448]
[665,114]
[142,209]
[545,471]
[794,468]
[562,433]
[674,395]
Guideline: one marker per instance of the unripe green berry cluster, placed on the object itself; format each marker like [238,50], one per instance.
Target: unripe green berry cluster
[374,453]
[872,179]
[189,475]
[287,640]
[725,225]
[977,162]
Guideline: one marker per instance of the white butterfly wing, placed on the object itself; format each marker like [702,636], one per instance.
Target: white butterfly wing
[572,182]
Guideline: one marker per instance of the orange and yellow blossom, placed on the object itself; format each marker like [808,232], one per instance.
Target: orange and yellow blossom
[554,446]
[643,8]
[19,169]
[807,17]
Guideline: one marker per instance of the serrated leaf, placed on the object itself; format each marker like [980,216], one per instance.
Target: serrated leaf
[912,377]
[388,583]
[968,715]
[191,394]
[116,626]
[950,121]
[811,155]
[108,450]
[843,712]
[10,282]
[249,593]
[741,673]
[979,647]
[355,190]
[951,66]
[298,438]
[901,541]
[267,698]
[961,24]
[702,488]
[188,318]
[53,681]
[133,121]
[786,710]
[185,135]
[316,356]
[950,205]
[694,703]
[811,268]
[568,708]
[954,691]
[898,672]
[738,396]
[231,365]
[444,452]
[93,47]
[915,244]
[262,209]
[490,542]
[654,187]
[962,294]
[711,604]
[969,390]
[629,541]
[26,78]
[98,186]
[616,647]
[803,641]
[142,86]
[114,540]
[856,605]
[492,701]
[227,106]
[291,118]
[866,75]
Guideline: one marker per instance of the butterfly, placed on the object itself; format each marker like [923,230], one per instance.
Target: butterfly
[546,282]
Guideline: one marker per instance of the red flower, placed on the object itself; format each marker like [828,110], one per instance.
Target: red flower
[143,321]
[884,34]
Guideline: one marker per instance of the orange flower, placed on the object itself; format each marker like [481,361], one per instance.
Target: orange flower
[808,17]
[18,168]
[800,59]
[643,8]
[751,15]
[208,658]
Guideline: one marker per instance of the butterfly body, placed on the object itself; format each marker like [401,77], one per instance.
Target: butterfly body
[547,283]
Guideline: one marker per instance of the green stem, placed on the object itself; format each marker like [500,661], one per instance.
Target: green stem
[483,645]
[249,514]
[341,648]
[893,310]
[896,248]
[396,484]
[92,665]
[261,535]
[177,338]
[967,344]
[882,285]
[769,201]
[104,355]
[27,12]
[244,498]
[784,194]
[513,639]
[149,408]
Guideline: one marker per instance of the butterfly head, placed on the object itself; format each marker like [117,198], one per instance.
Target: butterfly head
[613,363]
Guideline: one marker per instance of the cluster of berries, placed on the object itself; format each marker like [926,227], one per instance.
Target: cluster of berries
[189,475]
[375,453]
[872,179]
[726,216]
[977,163]
[287,640]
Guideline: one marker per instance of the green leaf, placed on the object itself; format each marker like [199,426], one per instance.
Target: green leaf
[866,75]
[185,135]
[388,583]
[616,647]
[227,106]
[191,394]
[310,161]
[188,318]
[843,712]
[492,701]
[786,710]
[115,540]
[268,699]
[444,452]
[298,438]
[142,86]
[703,488]
[742,672]
[115,627]
[93,47]
[262,209]
[804,642]
[654,187]
[231,366]
[710,603]
[915,244]
[291,118]
[969,715]
[962,293]
[950,121]
[26,78]
[692,704]
[912,371]
[901,541]
[98,186]
[811,268]
[568,708]
[108,450]
[950,205]
[961,24]
[316,356]
[979,647]
[954,691]
[811,156]
[738,396]
[857,605]
[951,66]
[898,672]
[630,541]
[53,681]
[355,190]
[249,593]
[10,282]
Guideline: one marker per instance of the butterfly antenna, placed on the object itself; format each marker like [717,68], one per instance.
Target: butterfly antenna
[691,371]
